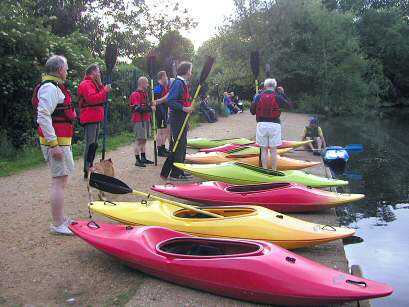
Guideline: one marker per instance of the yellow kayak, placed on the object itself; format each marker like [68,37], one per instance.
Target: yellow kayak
[283,163]
[249,222]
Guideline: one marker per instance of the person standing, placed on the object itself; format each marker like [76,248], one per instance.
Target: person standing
[92,96]
[141,117]
[266,107]
[161,92]
[179,106]
[55,116]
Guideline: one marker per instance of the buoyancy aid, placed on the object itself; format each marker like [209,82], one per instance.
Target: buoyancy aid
[91,111]
[139,105]
[267,109]
[62,117]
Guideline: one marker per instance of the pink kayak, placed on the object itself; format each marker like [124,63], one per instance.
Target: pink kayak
[254,271]
[281,197]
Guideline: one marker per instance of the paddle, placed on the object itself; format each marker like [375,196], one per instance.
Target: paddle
[167,166]
[255,68]
[151,69]
[354,148]
[115,186]
[111,54]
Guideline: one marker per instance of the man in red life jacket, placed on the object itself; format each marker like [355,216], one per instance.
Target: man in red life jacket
[161,92]
[55,116]
[92,96]
[141,117]
[266,107]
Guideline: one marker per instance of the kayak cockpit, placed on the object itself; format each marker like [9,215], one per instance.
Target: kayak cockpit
[250,188]
[208,248]
[227,212]
[259,169]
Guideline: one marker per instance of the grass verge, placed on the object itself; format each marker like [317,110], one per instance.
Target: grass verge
[32,156]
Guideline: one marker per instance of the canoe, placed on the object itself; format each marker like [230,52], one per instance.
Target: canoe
[206,143]
[249,222]
[335,156]
[281,197]
[232,146]
[283,163]
[225,267]
[240,173]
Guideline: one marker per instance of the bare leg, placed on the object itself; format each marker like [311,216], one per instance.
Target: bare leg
[58,185]
[161,137]
[264,157]
[139,146]
[273,153]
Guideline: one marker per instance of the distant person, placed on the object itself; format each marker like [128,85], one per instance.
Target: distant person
[208,112]
[266,107]
[161,92]
[92,95]
[314,132]
[228,103]
[55,116]
[141,117]
[238,103]
[179,106]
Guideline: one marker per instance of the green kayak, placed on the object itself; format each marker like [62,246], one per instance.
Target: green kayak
[209,143]
[241,173]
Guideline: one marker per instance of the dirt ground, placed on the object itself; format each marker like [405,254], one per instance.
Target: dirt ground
[40,269]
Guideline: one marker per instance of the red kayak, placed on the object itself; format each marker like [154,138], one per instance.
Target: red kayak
[281,197]
[254,271]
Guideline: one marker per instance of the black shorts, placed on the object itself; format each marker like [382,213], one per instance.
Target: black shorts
[161,120]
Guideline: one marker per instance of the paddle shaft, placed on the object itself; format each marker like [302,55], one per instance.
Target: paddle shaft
[186,120]
[106,113]
[155,131]
[176,204]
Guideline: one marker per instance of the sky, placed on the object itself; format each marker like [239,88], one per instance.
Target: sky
[209,14]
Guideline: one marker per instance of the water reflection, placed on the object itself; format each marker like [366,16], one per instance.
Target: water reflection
[381,219]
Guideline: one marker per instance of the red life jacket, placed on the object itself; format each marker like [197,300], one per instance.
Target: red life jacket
[267,109]
[186,95]
[140,98]
[91,111]
[62,117]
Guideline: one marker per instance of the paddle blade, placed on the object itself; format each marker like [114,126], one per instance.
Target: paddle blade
[167,166]
[207,67]
[150,63]
[108,184]
[111,54]
[354,148]
[255,63]
[267,70]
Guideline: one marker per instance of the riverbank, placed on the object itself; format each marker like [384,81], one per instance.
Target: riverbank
[41,269]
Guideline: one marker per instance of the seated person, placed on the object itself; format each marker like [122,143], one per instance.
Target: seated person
[208,112]
[237,103]
[314,132]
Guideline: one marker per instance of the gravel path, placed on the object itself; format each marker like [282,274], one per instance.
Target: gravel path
[39,269]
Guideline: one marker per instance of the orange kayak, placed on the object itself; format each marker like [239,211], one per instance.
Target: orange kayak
[283,163]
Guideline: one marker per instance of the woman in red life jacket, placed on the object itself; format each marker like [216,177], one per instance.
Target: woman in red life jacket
[55,116]
[266,107]
[141,117]
[92,96]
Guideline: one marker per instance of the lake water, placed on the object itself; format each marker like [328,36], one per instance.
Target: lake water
[382,218]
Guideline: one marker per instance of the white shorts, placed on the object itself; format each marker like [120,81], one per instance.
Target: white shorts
[62,167]
[268,134]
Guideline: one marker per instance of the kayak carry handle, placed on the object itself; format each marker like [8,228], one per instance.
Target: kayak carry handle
[93,225]
[290,259]
[357,283]
[109,203]
[328,227]
[128,227]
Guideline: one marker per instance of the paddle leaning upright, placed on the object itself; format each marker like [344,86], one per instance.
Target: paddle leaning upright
[180,109]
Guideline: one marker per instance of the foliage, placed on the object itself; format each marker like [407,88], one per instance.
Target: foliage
[313,52]
[129,23]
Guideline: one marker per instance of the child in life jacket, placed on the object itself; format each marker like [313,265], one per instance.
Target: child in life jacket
[314,132]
